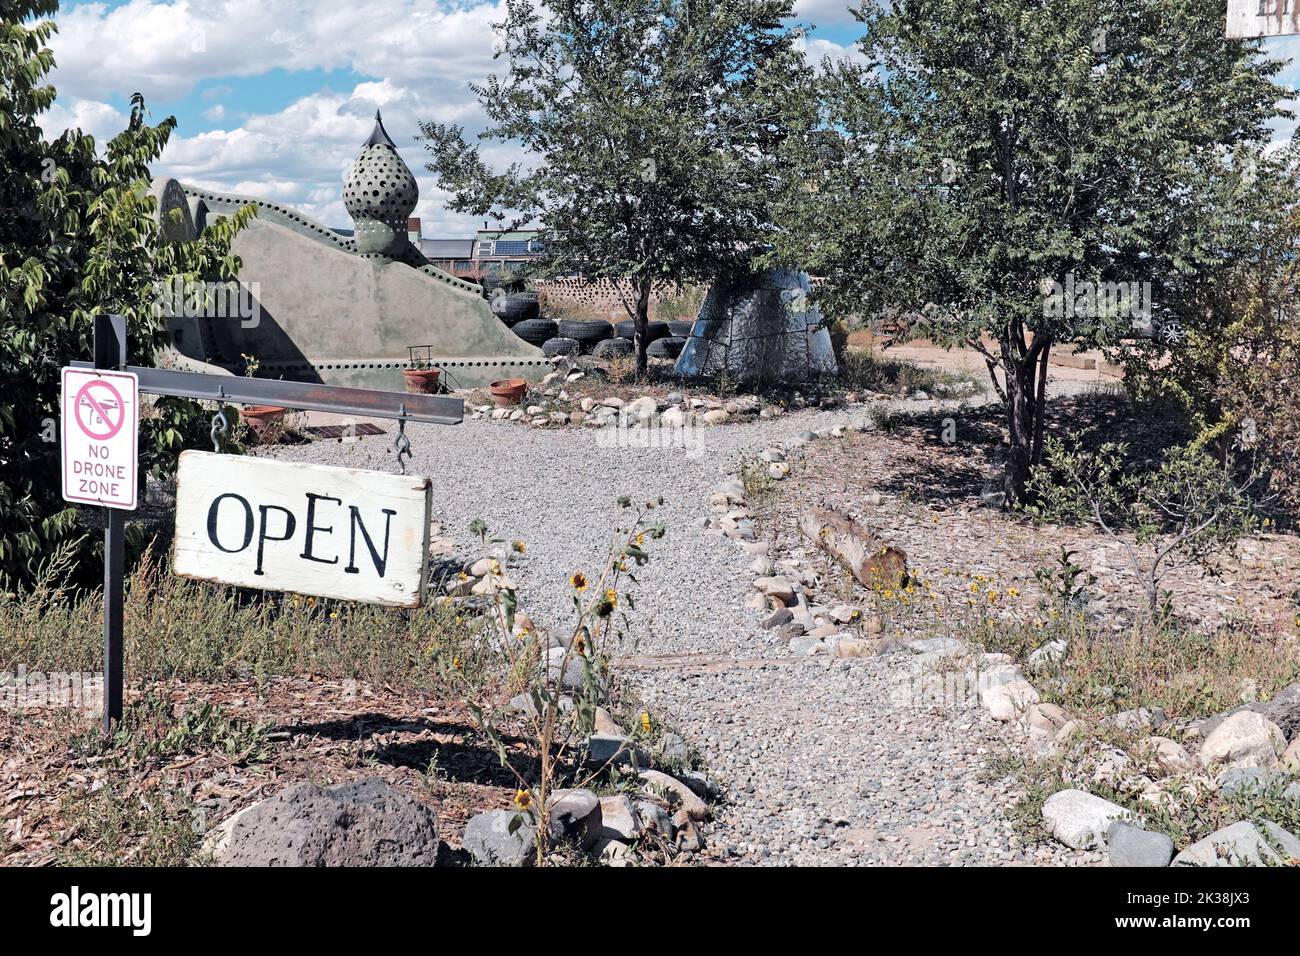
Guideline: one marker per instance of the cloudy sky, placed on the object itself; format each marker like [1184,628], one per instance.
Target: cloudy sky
[275,97]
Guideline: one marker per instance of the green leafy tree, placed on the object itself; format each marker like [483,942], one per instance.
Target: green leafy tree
[78,236]
[1008,176]
[651,130]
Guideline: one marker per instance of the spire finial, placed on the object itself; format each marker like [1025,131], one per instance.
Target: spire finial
[379,136]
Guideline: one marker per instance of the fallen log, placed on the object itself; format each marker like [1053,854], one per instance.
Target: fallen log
[872,563]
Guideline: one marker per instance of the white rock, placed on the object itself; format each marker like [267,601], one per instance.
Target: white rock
[778,471]
[1168,754]
[643,407]
[1244,739]
[778,588]
[715,417]
[1080,820]
[673,417]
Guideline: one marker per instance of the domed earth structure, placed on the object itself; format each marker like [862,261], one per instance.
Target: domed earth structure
[336,308]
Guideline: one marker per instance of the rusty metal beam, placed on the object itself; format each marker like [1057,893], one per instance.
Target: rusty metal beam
[362,402]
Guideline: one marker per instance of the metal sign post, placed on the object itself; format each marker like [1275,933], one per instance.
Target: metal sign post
[110,356]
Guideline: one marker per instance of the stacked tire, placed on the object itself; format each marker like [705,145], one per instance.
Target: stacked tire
[491,283]
[552,348]
[611,348]
[514,308]
[681,327]
[654,330]
[535,331]
[588,334]
[668,348]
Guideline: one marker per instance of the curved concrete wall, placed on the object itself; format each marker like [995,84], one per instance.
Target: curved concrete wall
[323,313]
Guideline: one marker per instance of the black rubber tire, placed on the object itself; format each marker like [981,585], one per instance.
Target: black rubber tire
[654,330]
[535,331]
[560,346]
[586,333]
[668,348]
[612,347]
[681,327]
[515,307]
[490,283]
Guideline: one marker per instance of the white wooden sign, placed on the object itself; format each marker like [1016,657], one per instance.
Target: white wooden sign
[282,526]
[1262,18]
[99,437]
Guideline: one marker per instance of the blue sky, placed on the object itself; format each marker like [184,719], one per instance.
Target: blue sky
[275,97]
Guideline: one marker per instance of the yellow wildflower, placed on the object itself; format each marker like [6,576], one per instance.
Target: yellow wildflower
[519,547]
[645,721]
[523,799]
[578,581]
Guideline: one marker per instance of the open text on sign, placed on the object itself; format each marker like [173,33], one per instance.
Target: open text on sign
[282,526]
[99,437]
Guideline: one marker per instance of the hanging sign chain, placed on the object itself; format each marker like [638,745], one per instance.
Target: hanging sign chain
[402,444]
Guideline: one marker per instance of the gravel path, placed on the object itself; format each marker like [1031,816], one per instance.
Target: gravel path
[825,761]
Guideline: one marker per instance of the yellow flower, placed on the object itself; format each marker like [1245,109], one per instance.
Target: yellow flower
[455,662]
[640,539]
[993,597]
[645,721]
[1013,592]
[333,615]
[311,602]
[519,547]
[578,581]
[523,799]
[611,597]
[579,644]
[974,587]
[889,594]
[494,566]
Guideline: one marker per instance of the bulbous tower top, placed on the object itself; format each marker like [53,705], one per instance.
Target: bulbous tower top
[379,192]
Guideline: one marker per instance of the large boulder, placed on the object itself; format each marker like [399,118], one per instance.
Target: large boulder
[759,329]
[1283,710]
[365,823]
[1244,739]
[1242,844]
[1128,845]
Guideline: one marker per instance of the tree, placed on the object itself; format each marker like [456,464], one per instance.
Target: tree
[650,129]
[78,236]
[1020,174]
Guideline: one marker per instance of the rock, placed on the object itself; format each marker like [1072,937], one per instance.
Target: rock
[1291,758]
[622,752]
[673,748]
[613,852]
[805,646]
[780,616]
[942,646]
[1170,755]
[1080,820]
[716,417]
[489,840]
[761,566]
[606,725]
[642,408]
[365,823]
[700,784]
[619,820]
[575,815]
[773,455]
[688,838]
[1049,653]
[1134,720]
[1004,692]
[654,818]
[673,418]
[1244,739]
[778,471]
[678,793]
[1128,845]
[854,647]
[1241,844]
[778,588]
[1247,779]
[844,613]
[890,646]
[612,402]
[1044,719]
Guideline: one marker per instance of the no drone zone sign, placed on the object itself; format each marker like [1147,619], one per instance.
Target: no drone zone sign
[99,437]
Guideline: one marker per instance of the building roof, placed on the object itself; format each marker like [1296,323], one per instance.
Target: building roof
[447,248]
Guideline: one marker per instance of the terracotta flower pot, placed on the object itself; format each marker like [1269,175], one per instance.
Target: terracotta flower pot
[422,381]
[261,417]
[508,391]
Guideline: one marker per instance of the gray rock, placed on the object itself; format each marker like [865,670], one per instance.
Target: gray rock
[365,823]
[1080,820]
[782,615]
[1132,846]
[891,646]
[1141,718]
[1247,779]
[604,748]
[673,748]
[942,646]
[490,842]
[1241,844]
[575,816]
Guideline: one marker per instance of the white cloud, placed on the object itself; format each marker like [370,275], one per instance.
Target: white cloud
[825,11]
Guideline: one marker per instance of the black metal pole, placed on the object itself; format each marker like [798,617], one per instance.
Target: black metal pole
[110,354]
